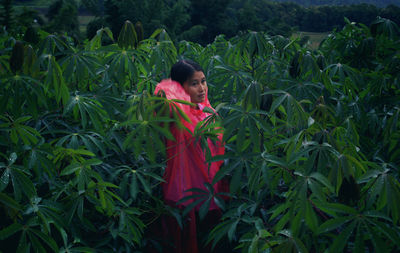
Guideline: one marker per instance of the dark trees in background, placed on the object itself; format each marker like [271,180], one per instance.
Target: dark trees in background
[379,3]
[63,17]
[212,15]
[6,13]
[19,21]
[200,20]
[95,7]
[171,15]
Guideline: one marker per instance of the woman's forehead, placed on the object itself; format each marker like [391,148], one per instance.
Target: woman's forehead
[197,75]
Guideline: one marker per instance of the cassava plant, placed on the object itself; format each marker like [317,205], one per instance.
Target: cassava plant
[312,141]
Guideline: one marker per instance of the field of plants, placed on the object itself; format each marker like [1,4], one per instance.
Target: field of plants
[312,140]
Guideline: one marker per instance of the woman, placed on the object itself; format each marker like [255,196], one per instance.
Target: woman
[186,163]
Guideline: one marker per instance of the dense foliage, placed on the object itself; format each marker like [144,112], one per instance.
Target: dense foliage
[381,3]
[194,20]
[312,141]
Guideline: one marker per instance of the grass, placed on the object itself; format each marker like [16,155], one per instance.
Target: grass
[314,38]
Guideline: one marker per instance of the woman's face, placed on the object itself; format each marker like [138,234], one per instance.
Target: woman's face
[196,87]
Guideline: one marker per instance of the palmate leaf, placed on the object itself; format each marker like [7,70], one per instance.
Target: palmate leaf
[150,124]
[232,79]
[87,108]
[20,181]
[93,141]
[24,89]
[289,243]
[79,67]
[135,180]
[256,43]
[130,226]
[163,53]
[127,36]
[38,238]
[334,224]
[55,82]
[384,190]
[219,231]
[238,163]
[383,26]
[294,111]
[340,242]
[96,41]
[379,233]
[302,201]
[19,131]
[51,45]
[246,127]
[122,67]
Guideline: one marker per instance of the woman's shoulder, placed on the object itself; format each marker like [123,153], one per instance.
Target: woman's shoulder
[172,90]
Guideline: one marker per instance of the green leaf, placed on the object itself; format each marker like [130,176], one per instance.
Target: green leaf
[323,180]
[12,159]
[8,201]
[92,162]
[277,102]
[310,217]
[24,183]
[379,245]
[10,230]
[144,183]
[204,208]
[133,187]
[47,239]
[334,223]
[391,232]
[232,229]
[340,208]
[127,37]
[235,182]
[340,241]
[300,245]
[71,169]
[4,179]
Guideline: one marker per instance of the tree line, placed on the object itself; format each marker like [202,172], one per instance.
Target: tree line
[380,3]
[194,20]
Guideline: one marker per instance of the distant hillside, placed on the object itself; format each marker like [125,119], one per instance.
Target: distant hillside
[379,3]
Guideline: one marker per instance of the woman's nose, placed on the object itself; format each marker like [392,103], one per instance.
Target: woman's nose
[201,88]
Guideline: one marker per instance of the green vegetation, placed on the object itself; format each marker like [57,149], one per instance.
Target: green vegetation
[312,140]
[194,20]
[382,3]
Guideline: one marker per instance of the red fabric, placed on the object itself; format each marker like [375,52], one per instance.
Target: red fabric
[186,166]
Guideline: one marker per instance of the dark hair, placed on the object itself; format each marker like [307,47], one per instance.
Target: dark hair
[183,70]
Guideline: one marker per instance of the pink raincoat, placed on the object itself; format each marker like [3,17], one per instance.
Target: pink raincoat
[186,165]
